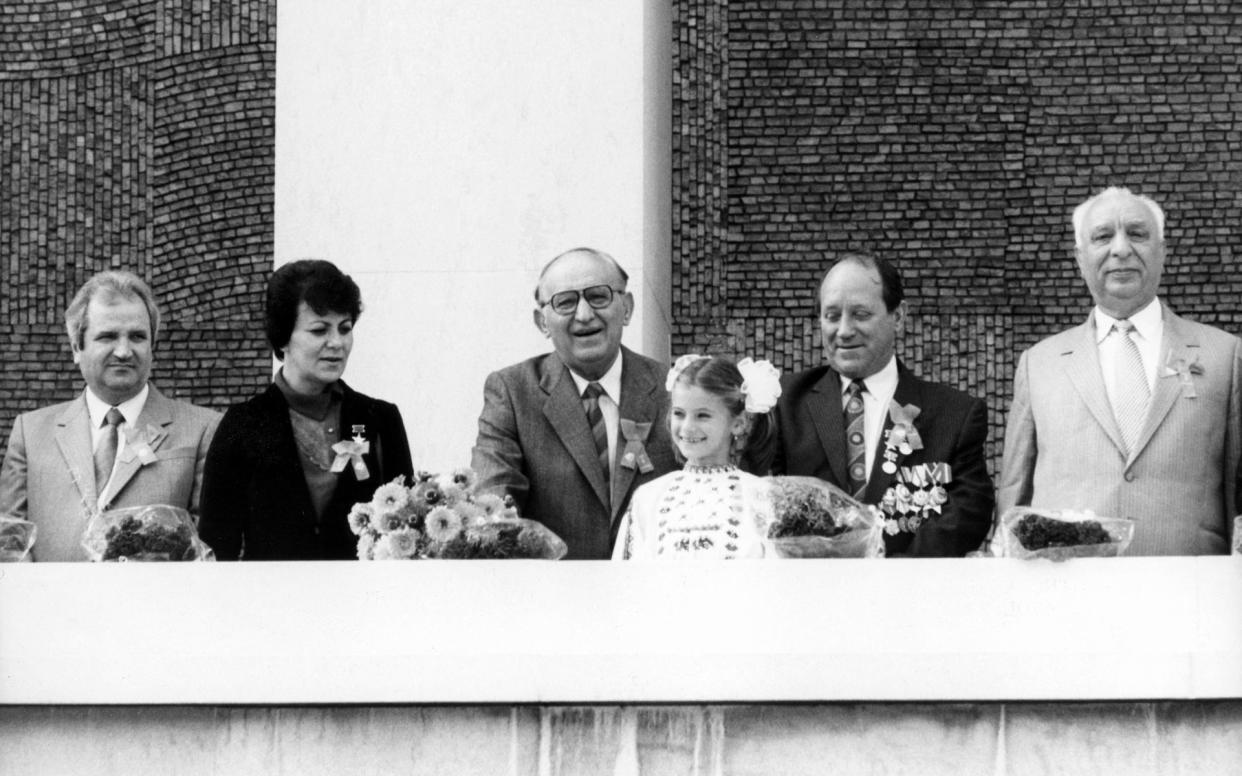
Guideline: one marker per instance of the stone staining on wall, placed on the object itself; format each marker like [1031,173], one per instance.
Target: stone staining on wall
[139,136]
[954,139]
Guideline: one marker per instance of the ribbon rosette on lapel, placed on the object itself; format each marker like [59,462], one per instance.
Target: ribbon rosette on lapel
[138,444]
[635,453]
[351,451]
[919,492]
[1183,370]
[903,437]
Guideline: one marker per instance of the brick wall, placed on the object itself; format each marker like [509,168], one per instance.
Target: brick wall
[139,136]
[954,138]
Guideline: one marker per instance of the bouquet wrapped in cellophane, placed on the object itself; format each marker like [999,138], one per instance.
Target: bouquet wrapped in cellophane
[441,517]
[813,519]
[156,532]
[1060,534]
[17,536]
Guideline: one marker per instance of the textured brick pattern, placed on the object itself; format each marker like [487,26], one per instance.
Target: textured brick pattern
[955,139]
[140,136]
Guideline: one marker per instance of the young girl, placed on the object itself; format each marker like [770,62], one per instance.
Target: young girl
[709,509]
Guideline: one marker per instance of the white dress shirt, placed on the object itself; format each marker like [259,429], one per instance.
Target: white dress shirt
[879,394]
[1148,331]
[130,409]
[609,404]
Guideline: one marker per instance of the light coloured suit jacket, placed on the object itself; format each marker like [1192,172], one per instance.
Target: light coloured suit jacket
[1063,447]
[48,476]
[534,444]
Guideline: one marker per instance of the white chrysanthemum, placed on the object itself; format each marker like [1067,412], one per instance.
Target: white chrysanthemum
[472,514]
[452,490]
[360,518]
[491,504]
[382,549]
[387,522]
[398,545]
[366,545]
[390,497]
[443,524]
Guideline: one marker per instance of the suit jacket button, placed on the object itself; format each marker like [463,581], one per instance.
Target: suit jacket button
[1129,476]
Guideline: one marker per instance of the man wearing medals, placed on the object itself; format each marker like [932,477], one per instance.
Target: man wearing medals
[865,423]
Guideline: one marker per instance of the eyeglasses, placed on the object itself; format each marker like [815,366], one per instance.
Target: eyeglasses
[566,302]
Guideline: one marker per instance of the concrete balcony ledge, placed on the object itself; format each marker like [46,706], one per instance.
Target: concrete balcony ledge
[527,632]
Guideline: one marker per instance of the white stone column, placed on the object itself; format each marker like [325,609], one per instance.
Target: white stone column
[441,151]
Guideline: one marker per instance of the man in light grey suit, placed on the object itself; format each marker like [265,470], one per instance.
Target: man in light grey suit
[570,434]
[1134,413]
[121,443]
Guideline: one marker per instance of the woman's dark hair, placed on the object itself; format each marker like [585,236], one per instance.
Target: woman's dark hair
[323,287]
[720,377]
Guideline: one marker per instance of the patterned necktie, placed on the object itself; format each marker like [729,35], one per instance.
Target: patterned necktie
[595,419]
[105,453]
[856,438]
[1132,391]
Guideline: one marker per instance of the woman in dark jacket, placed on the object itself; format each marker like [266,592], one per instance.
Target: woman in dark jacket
[286,466]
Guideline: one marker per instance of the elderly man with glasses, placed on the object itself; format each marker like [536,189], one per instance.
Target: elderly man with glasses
[570,434]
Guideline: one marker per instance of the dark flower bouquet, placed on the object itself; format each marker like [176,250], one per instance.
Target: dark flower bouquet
[1025,532]
[156,532]
[17,536]
[441,517]
[813,519]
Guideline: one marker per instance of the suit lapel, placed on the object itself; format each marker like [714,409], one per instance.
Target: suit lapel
[563,409]
[1082,369]
[640,403]
[1177,344]
[824,404]
[73,437]
[152,427]
[907,393]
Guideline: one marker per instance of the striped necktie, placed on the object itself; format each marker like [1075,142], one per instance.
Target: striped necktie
[856,438]
[595,419]
[1131,390]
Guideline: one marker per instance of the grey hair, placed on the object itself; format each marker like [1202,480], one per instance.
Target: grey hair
[115,283]
[1080,212]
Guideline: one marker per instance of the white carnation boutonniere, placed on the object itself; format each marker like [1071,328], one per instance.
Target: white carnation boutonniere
[349,452]
[1185,370]
[635,454]
[902,438]
[919,493]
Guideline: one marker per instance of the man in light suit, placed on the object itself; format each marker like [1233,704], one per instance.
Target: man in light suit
[570,434]
[1135,412]
[121,443]
[868,425]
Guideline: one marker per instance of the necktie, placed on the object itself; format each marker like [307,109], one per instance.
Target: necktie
[1132,391]
[595,419]
[856,438]
[105,453]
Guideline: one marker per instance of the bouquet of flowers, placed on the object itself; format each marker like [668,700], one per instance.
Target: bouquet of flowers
[1061,534]
[813,519]
[17,536]
[440,516]
[156,532]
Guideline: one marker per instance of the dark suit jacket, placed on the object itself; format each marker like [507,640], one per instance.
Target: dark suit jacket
[534,444]
[256,505]
[953,427]
[48,475]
